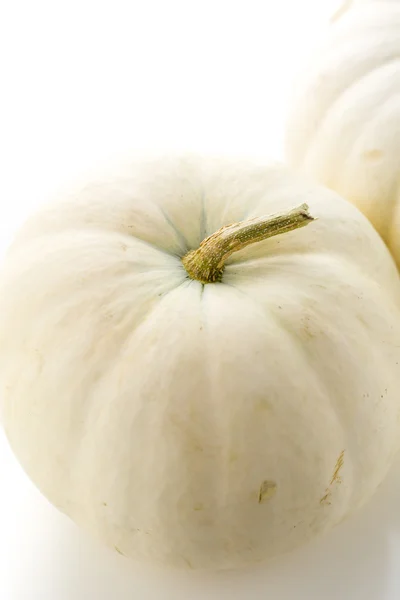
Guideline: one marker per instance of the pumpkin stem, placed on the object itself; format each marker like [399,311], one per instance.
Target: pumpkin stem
[207,263]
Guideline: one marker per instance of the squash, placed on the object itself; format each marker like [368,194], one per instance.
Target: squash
[200,358]
[343,126]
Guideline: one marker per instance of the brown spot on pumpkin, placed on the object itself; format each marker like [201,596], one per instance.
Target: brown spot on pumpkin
[373,155]
[262,405]
[308,330]
[124,247]
[267,490]
[233,457]
[326,498]
[119,551]
[188,563]
[40,359]
[339,464]
[362,320]
[197,447]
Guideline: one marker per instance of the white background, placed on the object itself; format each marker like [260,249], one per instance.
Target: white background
[83,80]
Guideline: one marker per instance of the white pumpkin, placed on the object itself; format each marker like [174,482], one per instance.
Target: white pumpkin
[200,425]
[344,123]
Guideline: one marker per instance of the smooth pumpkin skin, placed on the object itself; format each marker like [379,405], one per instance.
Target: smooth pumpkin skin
[343,125]
[200,426]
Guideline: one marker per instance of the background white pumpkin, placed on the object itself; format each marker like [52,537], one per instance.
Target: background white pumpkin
[200,426]
[344,123]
